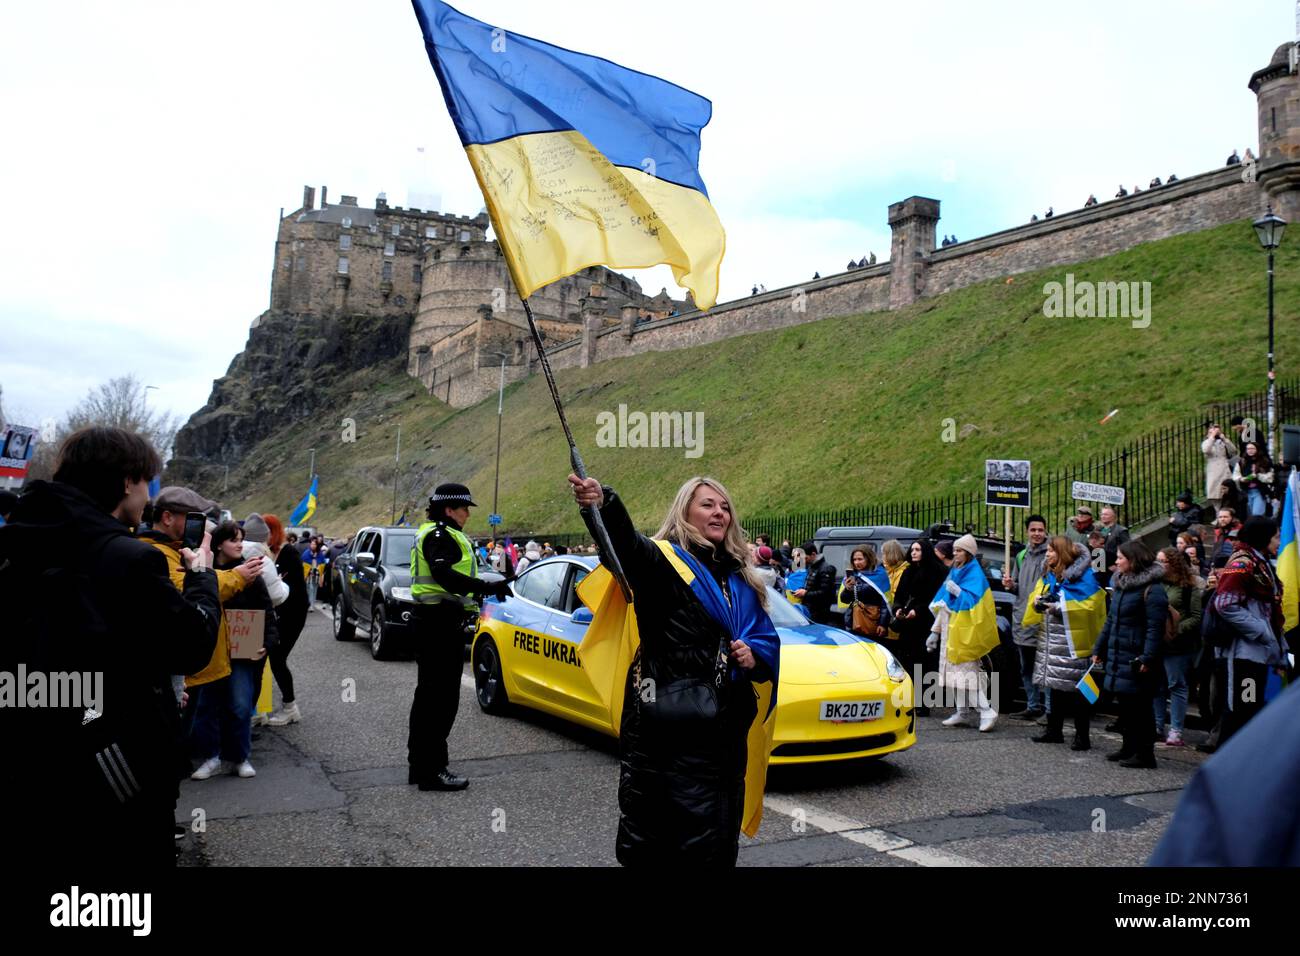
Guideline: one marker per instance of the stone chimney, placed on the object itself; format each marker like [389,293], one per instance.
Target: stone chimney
[308,198]
[323,193]
[348,201]
[913,224]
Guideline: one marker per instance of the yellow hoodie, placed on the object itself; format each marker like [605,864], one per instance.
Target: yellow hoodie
[229,583]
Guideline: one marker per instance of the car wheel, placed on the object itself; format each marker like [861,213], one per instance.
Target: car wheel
[381,645]
[343,631]
[489,685]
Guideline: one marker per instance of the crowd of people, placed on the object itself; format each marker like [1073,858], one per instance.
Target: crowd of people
[149,590]
[1142,642]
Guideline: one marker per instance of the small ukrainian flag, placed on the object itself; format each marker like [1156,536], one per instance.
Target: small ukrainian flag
[1088,688]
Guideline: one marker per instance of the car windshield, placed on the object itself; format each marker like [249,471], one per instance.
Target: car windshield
[397,549]
[782,612]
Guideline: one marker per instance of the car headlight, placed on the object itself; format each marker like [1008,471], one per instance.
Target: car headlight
[402,594]
[893,668]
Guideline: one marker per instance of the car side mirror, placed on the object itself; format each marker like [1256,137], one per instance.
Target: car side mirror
[365,559]
[583,615]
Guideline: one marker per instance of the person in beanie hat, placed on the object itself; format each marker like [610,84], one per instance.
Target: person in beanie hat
[1248,600]
[444,585]
[1186,514]
[966,679]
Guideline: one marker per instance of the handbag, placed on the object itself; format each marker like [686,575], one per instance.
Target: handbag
[685,701]
[866,620]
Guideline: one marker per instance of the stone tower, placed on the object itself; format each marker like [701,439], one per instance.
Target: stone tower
[1277,91]
[912,222]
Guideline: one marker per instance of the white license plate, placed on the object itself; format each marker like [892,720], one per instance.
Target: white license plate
[852,711]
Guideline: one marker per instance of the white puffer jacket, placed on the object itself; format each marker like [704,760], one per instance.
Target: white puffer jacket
[275,586]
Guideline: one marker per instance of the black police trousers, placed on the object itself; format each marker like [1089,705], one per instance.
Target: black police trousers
[440,656]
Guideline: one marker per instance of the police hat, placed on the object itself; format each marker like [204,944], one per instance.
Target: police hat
[452,495]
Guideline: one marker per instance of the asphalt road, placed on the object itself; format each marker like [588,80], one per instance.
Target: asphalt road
[332,790]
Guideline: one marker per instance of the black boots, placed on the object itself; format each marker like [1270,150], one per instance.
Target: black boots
[444,779]
[1081,742]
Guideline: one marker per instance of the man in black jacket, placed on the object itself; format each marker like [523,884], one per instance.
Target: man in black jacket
[818,592]
[96,784]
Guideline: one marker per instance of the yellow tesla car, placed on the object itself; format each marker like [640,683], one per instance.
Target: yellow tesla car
[841,696]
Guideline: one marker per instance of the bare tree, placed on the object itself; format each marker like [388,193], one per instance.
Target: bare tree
[121,403]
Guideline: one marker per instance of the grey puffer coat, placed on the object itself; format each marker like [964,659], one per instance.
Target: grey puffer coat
[1056,665]
[1135,628]
[1028,574]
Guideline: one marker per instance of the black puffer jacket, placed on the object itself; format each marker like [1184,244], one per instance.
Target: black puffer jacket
[821,585]
[1135,628]
[681,796]
[125,620]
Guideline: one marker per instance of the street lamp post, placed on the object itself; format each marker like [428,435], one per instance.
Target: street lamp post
[225,482]
[313,465]
[1270,229]
[501,397]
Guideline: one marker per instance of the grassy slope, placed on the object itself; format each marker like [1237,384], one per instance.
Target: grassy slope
[841,412]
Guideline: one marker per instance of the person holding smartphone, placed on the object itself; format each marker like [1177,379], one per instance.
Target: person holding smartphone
[1219,455]
[106,604]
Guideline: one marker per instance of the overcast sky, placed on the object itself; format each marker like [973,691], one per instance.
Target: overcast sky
[149,146]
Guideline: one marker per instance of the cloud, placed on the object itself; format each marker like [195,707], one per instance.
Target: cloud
[152,144]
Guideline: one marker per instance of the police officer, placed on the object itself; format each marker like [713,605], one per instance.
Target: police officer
[444,583]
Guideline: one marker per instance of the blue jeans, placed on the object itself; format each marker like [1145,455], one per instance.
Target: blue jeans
[311,588]
[1027,655]
[1256,504]
[225,707]
[1175,685]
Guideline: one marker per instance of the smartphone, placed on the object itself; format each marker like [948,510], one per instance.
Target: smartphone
[195,525]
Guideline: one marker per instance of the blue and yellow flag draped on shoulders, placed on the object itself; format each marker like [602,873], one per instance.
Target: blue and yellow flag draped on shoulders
[306,508]
[582,162]
[1084,604]
[972,618]
[612,639]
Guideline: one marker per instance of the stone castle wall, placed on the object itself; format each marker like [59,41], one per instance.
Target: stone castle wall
[1189,205]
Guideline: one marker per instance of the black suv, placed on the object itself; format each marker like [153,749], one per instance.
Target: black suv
[372,589]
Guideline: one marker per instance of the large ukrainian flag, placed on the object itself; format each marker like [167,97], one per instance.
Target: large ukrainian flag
[1085,609]
[1288,555]
[972,617]
[582,162]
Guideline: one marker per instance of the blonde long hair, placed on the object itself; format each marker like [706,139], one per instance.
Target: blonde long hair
[677,528]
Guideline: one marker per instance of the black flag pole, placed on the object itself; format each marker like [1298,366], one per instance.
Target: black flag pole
[575,457]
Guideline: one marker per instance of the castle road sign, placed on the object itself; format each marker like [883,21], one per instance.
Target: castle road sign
[1106,494]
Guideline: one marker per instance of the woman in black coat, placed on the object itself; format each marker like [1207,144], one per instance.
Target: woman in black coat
[291,618]
[682,782]
[1131,646]
[921,580]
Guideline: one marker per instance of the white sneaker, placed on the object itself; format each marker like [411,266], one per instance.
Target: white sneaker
[287,715]
[960,719]
[259,720]
[245,769]
[210,766]
[988,721]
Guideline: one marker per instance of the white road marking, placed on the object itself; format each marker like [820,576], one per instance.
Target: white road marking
[858,832]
